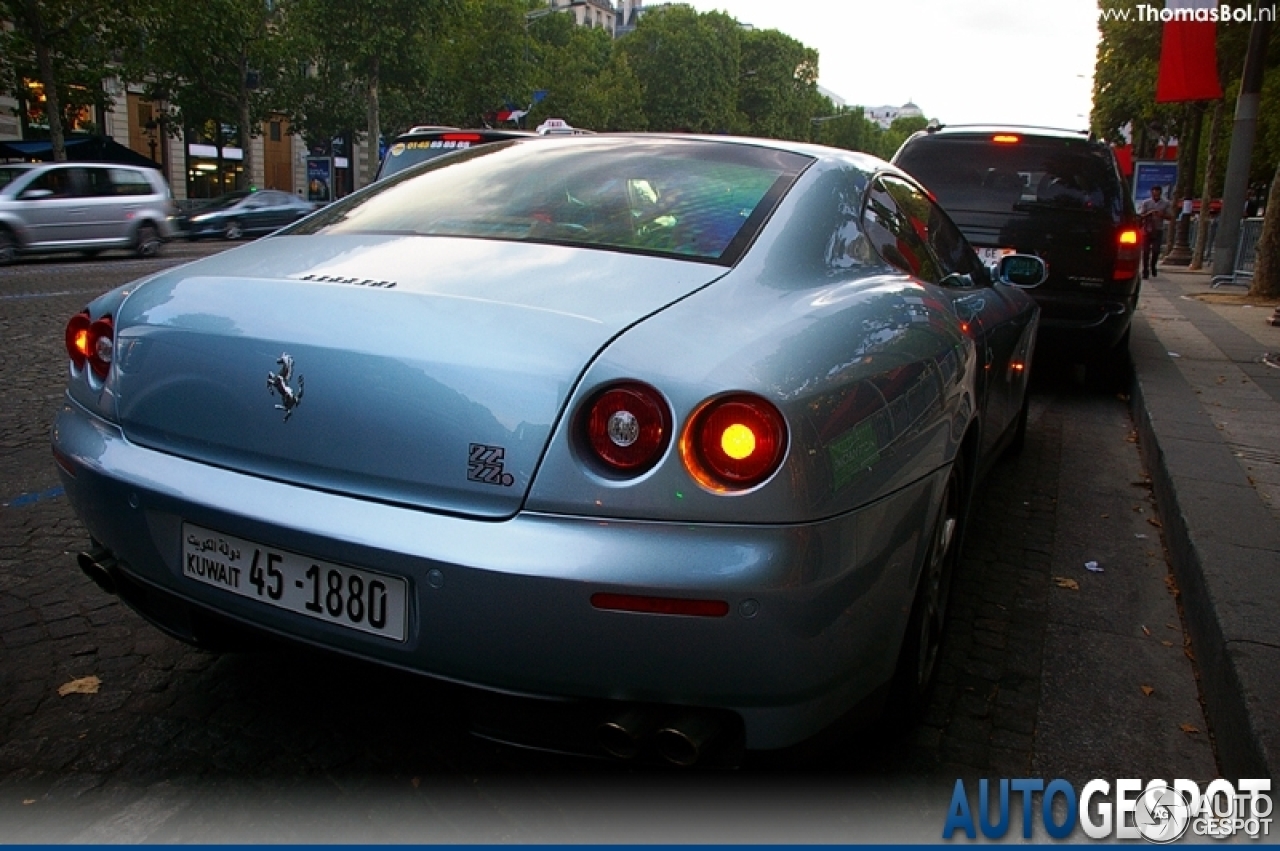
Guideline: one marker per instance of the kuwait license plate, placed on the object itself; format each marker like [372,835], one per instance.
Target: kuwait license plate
[357,599]
[991,256]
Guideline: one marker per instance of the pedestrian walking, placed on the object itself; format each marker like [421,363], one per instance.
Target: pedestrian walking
[1154,212]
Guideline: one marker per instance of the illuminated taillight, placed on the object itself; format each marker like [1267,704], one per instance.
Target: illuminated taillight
[1128,254]
[460,137]
[1005,139]
[734,442]
[78,339]
[91,342]
[627,427]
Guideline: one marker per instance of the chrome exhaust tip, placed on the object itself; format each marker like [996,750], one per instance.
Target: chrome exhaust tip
[624,736]
[97,564]
[686,740]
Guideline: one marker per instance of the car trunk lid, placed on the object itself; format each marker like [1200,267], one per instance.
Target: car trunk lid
[421,371]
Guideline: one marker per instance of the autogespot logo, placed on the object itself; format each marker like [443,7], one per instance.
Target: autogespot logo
[1158,812]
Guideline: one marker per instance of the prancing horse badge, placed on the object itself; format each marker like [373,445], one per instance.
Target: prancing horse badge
[278,382]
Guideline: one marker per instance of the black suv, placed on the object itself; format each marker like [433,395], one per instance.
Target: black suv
[1053,193]
[426,143]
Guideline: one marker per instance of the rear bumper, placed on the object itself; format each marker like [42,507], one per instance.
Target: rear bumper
[1087,327]
[816,611]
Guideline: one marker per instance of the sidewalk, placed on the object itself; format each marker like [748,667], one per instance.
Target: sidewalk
[1208,414]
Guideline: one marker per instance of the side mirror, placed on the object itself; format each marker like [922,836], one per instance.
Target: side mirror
[1022,270]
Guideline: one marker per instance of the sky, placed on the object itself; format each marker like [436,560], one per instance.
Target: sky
[961,61]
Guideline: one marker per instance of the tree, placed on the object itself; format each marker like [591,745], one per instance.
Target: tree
[212,61]
[778,85]
[1266,278]
[388,42]
[68,46]
[687,64]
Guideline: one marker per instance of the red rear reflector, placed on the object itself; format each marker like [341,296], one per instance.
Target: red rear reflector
[1005,139]
[660,605]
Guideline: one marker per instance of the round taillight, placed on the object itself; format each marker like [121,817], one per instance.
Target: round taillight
[102,346]
[78,339]
[734,442]
[627,427]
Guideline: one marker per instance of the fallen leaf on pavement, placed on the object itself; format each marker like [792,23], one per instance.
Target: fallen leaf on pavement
[1146,631]
[1167,643]
[84,685]
[1154,522]
[1148,691]
[1189,729]
[1069,584]
[28,801]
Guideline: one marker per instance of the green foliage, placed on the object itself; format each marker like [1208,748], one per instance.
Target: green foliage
[778,86]
[71,46]
[688,67]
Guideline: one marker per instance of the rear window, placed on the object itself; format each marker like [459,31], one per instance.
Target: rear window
[409,152]
[689,199]
[980,175]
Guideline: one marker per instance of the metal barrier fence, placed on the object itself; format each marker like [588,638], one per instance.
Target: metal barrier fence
[1208,242]
[1246,255]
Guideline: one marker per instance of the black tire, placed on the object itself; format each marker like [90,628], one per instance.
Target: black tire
[90,254]
[232,230]
[1113,373]
[8,247]
[917,670]
[147,242]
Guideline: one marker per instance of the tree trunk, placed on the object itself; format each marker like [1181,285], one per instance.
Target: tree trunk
[375,129]
[52,106]
[1266,276]
[245,179]
[1206,196]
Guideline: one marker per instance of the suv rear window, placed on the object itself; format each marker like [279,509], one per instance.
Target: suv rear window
[981,175]
[696,200]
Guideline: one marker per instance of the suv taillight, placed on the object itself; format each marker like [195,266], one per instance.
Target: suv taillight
[1128,254]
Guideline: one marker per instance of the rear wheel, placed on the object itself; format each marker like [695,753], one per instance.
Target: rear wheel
[917,670]
[232,230]
[8,247]
[147,241]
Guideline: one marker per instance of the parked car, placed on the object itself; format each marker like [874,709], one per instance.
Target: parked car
[1057,195]
[677,431]
[425,143]
[245,213]
[85,207]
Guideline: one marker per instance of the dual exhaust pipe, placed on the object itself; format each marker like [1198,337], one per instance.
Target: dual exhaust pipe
[98,564]
[682,741]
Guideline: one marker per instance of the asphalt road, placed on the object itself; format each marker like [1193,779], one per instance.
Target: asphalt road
[1050,670]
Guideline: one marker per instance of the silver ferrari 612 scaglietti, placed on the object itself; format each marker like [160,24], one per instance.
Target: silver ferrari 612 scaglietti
[679,431]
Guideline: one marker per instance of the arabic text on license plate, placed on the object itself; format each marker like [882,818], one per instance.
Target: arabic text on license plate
[357,599]
[993,255]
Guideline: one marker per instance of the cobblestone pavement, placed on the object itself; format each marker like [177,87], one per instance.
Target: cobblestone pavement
[1045,673]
